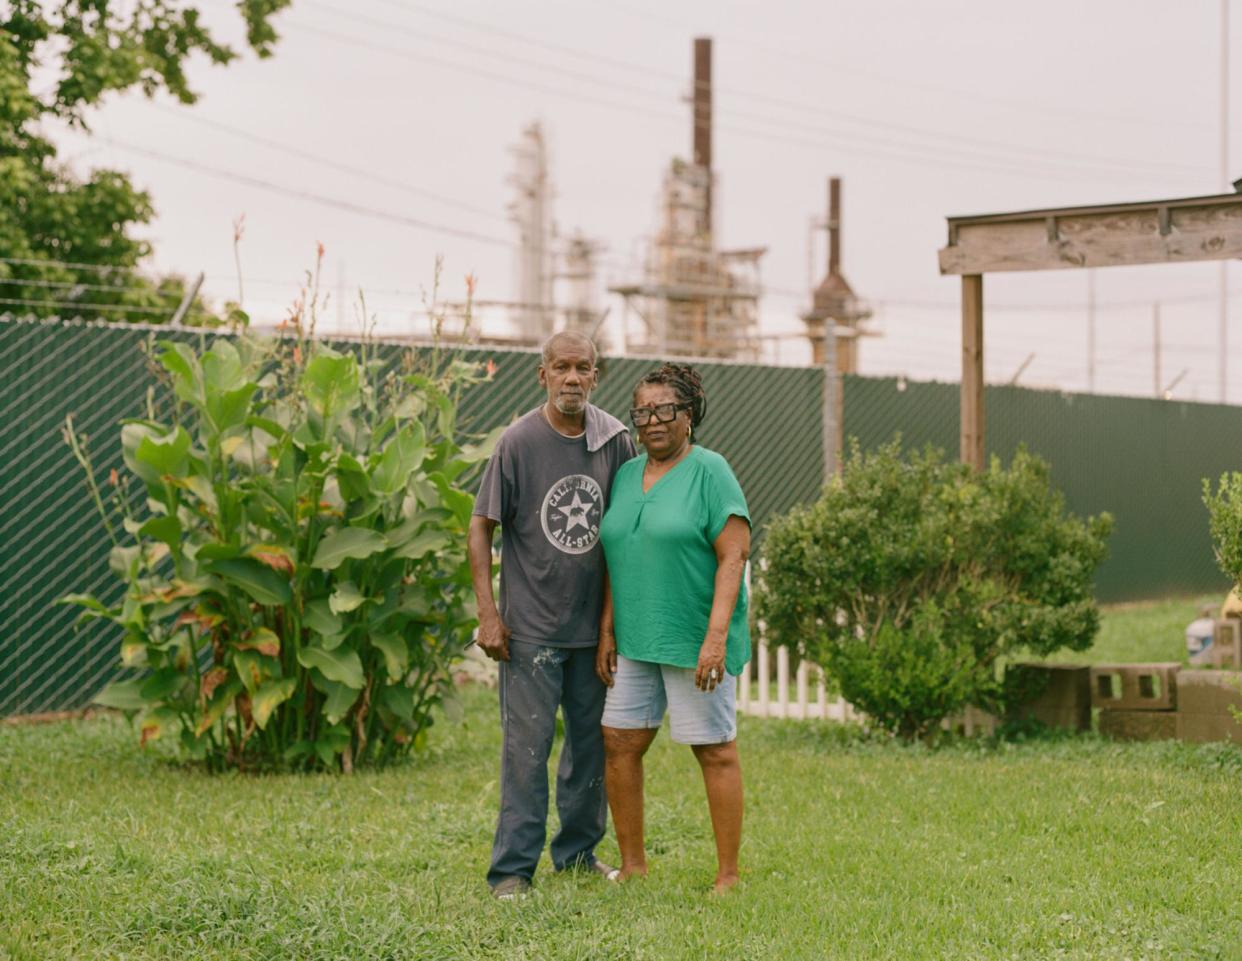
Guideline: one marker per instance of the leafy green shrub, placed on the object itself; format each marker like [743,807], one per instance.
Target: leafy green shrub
[909,581]
[294,560]
[1225,514]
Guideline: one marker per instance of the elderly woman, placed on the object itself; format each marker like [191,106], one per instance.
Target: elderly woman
[676,538]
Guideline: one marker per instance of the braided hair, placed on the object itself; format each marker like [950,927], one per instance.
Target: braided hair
[686,384]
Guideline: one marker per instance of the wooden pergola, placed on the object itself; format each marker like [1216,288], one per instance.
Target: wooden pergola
[1154,232]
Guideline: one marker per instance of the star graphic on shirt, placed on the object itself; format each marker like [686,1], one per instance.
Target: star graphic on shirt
[575,513]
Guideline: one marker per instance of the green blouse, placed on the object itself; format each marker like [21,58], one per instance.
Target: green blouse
[662,564]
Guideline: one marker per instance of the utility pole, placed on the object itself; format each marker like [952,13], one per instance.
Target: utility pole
[1090,330]
[1155,339]
[703,115]
[1223,346]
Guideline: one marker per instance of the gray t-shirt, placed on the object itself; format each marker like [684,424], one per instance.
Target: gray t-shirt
[548,492]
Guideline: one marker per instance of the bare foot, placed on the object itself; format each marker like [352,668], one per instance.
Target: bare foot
[632,871]
[724,883]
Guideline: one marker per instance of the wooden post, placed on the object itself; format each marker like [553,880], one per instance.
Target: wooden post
[972,370]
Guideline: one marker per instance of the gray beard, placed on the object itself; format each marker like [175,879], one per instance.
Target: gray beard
[570,413]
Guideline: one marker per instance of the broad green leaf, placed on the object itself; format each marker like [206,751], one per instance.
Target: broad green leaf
[93,607]
[165,528]
[459,502]
[187,375]
[351,478]
[134,651]
[330,642]
[342,664]
[228,409]
[396,654]
[319,617]
[122,695]
[262,639]
[155,724]
[216,551]
[221,698]
[345,598]
[400,700]
[161,684]
[256,579]
[222,368]
[164,455]
[427,541]
[332,743]
[252,667]
[270,427]
[201,488]
[340,699]
[123,561]
[270,696]
[402,456]
[331,382]
[344,543]
[475,453]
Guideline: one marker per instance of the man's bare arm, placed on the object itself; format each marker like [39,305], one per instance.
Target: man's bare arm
[493,634]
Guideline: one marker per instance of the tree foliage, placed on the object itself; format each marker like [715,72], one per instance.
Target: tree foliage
[66,240]
[294,560]
[910,579]
[1225,513]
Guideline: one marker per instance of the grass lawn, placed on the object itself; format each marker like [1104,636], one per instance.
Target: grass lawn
[854,848]
[1142,632]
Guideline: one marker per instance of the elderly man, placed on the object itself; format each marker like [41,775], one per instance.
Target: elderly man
[547,485]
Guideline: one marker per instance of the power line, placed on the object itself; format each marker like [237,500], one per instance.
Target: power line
[79,306]
[785,54]
[44,262]
[75,285]
[329,163]
[937,158]
[926,133]
[336,202]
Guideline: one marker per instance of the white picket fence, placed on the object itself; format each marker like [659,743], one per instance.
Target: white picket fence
[800,705]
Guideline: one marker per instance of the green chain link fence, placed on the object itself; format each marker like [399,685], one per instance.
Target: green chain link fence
[765,420]
[1141,460]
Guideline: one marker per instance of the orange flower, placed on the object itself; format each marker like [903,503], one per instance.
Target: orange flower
[491,367]
[470,281]
[297,354]
[113,478]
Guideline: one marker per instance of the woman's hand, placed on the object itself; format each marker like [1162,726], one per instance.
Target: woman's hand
[710,670]
[606,657]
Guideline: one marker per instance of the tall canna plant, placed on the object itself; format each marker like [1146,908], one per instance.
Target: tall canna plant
[296,578]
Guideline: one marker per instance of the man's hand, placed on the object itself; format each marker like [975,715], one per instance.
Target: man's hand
[606,657]
[493,637]
[710,669]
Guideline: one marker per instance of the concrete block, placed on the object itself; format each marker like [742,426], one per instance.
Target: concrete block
[1059,694]
[1209,692]
[1201,728]
[1134,687]
[1139,725]
[1227,644]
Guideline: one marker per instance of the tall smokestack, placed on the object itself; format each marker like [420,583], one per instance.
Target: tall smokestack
[703,112]
[834,226]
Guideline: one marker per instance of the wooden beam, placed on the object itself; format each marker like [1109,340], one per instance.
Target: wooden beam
[1169,231]
[972,412]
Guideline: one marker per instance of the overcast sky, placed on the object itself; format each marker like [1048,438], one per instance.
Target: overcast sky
[406,112]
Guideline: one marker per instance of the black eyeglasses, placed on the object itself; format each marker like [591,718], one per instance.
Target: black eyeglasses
[663,414]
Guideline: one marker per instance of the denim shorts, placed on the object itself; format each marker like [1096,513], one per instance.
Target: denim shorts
[642,691]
